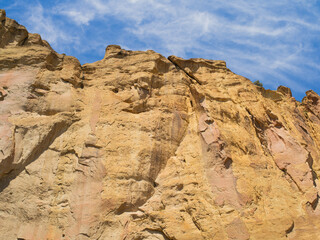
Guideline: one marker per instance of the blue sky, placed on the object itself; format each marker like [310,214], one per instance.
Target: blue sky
[275,41]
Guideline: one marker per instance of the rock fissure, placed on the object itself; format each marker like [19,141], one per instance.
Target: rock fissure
[290,229]
[171,59]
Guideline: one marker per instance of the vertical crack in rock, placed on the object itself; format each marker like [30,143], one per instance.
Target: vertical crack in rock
[177,134]
[259,129]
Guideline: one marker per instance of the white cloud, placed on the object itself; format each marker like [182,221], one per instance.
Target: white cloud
[39,22]
[78,17]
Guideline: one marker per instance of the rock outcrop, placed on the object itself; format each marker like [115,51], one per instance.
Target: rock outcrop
[139,146]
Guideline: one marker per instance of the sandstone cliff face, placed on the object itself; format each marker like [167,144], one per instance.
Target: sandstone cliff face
[138,146]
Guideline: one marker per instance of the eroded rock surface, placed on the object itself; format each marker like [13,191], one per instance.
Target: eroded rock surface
[138,146]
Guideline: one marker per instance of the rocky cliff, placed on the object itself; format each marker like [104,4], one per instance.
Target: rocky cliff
[139,146]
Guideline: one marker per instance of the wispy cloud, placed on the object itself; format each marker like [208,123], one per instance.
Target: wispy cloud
[45,24]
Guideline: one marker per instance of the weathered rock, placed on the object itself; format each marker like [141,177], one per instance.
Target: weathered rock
[312,102]
[137,146]
[285,90]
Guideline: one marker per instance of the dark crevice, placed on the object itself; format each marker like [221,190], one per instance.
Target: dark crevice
[290,229]
[227,162]
[259,128]
[315,202]
[194,220]
[314,177]
[180,68]
[24,41]
[126,207]
[68,151]
[305,130]
[284,170]
[179,187]
[272,116]
[2,96]
[310,164]
[84,235]
[92,145]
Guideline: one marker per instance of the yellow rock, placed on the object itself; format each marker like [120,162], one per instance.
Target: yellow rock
[138,146]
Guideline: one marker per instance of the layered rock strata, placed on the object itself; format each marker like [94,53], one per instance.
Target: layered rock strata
[139,146]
